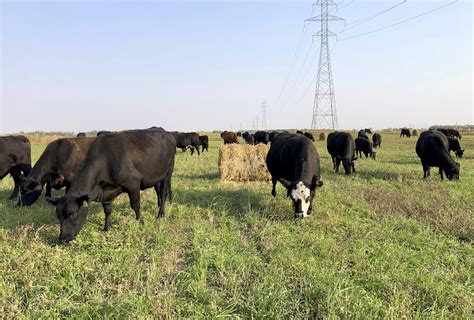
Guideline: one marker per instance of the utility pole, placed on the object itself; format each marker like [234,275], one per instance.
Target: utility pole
[264,116]
[324,106]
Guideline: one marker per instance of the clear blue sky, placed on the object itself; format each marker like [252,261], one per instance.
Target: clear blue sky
[79,66]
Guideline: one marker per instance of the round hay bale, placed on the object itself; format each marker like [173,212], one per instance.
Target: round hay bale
[243,163]
[323,136]
[414,133]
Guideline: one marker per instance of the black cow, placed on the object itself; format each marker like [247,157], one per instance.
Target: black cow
[294,161]
[102,132]
[309,136]
[299,132]
[15,159]
[261,137]
[433,149]
[248,137]
[127,161]
[450,132]
[377,140]
[204,140]
[405,132]
[364,146]
[81,135]
[187,140]
[239,134]
[362,134]
[341,147]
[55,168]
[455,146]
[368,130]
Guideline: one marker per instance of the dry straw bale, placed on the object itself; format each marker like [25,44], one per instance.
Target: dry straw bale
[243,163]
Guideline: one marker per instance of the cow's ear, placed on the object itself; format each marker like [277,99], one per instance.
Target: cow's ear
[285,183]
[12,157]
[53,201]
[80,200]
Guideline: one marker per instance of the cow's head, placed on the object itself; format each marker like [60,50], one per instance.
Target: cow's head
[30,190]
[348,165]
[72,212]
[302,195]
[459,153]
[452,173]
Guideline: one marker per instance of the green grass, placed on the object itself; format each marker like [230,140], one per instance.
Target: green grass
[382,243]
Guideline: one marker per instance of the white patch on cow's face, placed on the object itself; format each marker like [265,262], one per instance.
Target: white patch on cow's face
[302,192]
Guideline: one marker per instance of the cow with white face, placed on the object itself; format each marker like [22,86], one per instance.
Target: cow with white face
[294,161]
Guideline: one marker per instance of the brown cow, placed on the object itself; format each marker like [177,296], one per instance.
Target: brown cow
[323,136]
[229,137]
[414,133]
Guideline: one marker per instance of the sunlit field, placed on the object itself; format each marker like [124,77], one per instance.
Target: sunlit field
[381,243]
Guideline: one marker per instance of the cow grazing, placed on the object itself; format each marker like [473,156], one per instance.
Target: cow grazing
[455,146]
[433,149]
[299,132]
[323,136]
[99,133]
[204,140]
[414,133]
[229,137]
[186,140]
[239,134]
[341,146]
[405,133]
[362,134]
[294,161]
[56,168]
[309,135]
[261,137]
[123,162]
[15,159]
[364,146]
[368,130]
[248,137]
[377,140]
[81,135]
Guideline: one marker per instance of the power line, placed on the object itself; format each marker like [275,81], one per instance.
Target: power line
[368,18]
[400,22]
[291,92]
[292,65]
[264,116]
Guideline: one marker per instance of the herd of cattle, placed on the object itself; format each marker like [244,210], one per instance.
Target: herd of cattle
[98,169]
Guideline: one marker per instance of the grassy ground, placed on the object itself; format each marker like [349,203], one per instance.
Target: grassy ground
[382,243]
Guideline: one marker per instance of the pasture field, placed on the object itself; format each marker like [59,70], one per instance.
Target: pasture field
[381,243]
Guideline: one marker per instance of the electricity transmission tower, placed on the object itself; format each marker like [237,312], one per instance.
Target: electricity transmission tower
[324,107]
[264,116]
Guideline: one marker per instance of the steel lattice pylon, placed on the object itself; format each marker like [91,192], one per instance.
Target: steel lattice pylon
[324,107]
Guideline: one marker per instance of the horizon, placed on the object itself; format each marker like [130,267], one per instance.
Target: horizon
[207,66]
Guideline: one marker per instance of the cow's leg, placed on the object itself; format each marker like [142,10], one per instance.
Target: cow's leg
[108,215]
[48,190]
[338,163]
[197,149]
[161,190]
[426,170]
[274,182]
[15,173]
[134,196]
[353,167]
[441,173]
